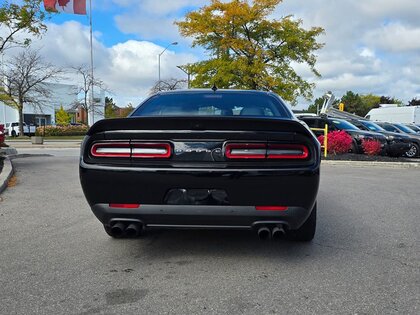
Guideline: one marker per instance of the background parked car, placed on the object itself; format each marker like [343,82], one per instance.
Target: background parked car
[335,124]
[12,129]
[398,143]
[400,128]
[413,127]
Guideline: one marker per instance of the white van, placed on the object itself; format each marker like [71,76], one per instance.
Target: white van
[12,129]
[395,114]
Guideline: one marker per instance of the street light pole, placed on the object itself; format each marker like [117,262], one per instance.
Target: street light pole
[187,73]
[174,43]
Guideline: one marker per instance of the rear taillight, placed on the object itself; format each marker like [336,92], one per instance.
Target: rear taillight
[124,205]
[245,151]
[266,151]
[138,150]
[271,208]
[287,151]
[150,150]
[111,149]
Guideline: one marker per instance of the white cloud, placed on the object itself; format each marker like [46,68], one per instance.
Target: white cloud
[370,46]
[129,69]
[395,37]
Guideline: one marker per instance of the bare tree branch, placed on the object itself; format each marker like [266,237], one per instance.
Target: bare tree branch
[24,79]
[168,85]
[85,87]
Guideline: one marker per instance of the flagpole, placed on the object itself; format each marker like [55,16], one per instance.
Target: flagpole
[91,64]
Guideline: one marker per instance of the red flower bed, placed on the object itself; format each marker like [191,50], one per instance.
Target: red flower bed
[339,142]
[371,147]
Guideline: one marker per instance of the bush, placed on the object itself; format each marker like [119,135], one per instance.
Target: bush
[321,140]
[339,142]
[371,147]
[62,131]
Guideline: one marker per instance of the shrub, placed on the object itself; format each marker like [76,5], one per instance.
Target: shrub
[62,131]
[62,117]
[371,147]
[339,142]
[321,139]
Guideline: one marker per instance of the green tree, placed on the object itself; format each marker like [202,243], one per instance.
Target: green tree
[249,50]
[390,100]
[316,105]
[414,102]
[126,110]
[111,108]
[26,17]
[62,118]
[353,103]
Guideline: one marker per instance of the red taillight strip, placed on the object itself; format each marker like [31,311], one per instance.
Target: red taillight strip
[124,205]
[245,150]
[111,149]
[271,208]
[151,150]
[266,151]
[134,150]
[287,151]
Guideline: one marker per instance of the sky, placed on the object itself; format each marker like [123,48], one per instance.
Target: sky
[371,46]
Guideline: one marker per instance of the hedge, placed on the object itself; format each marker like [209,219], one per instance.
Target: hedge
[61,131]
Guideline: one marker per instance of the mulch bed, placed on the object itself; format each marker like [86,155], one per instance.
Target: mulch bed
[364,157]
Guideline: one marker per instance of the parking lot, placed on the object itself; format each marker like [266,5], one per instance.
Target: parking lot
[55,257]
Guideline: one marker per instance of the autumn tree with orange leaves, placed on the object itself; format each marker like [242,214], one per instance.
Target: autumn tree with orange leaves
[250,51]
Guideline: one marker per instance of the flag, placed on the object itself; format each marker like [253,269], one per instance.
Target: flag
[66,6]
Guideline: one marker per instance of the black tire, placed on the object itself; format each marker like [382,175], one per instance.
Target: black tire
[413,152]
[354,148]
[306,232]
[14,133]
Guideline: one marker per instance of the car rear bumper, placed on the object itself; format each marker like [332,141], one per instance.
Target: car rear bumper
[245,189]
[209,217]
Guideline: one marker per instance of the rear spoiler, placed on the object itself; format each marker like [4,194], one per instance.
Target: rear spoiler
[199,123]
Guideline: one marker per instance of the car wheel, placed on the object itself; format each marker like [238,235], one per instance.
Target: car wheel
[354,148]
[413,152]
[13,133]
[306,232]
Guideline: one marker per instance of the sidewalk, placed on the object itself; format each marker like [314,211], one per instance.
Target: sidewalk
[48,144]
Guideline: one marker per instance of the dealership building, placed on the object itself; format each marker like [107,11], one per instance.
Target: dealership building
[65,95]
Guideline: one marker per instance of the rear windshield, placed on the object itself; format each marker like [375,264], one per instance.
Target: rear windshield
[372,126]
[404,128]
[342,124]
[213,104]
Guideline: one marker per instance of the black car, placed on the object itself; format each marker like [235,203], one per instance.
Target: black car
[413,127]
[402,129]
[227,159]
[398,144]
[335,124]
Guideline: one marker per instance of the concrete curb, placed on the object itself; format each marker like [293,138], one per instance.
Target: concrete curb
[6,174]
[372,164]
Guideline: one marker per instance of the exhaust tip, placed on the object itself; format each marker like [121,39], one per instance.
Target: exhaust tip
[133,230]
[264,233]
[278,233]
[117,230]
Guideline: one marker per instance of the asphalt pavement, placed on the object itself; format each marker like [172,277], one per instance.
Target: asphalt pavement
[55,257]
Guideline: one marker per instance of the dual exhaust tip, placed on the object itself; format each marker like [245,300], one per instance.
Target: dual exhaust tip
[276,233]
[135,229]
[121,229]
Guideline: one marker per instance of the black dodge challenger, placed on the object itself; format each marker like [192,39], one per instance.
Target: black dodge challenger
[222,159]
